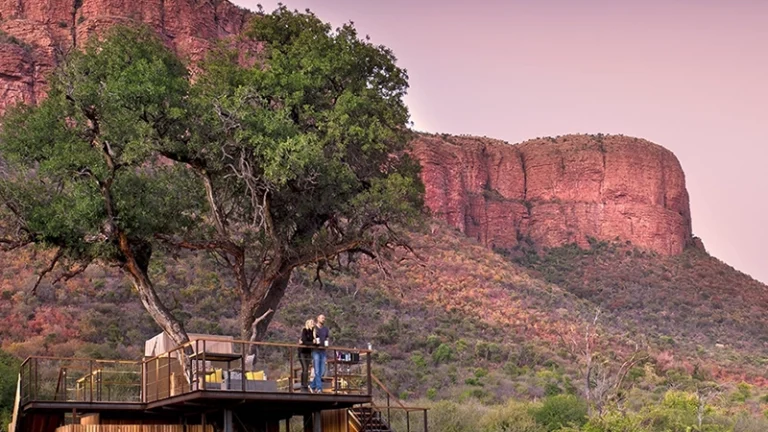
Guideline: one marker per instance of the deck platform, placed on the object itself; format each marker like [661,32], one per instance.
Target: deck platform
[254,381]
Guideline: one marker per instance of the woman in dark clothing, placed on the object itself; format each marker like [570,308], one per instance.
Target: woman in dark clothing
[305,354]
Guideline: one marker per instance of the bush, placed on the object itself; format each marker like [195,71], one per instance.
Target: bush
[743,392]
[442,354]
[9,372]
[433,342]
[418,360]
[432,393]
[512,417]
[560,411]
[449,416]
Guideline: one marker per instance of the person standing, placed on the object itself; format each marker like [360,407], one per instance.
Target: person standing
[319,355]
[306,340]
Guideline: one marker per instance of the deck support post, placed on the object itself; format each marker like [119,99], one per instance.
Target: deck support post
[317,421]
[228,421]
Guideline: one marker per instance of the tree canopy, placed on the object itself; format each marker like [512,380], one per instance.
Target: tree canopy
[82,173]
[303,154]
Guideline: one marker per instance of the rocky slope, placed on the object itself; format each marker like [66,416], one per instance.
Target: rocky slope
[36,34]
[555,191]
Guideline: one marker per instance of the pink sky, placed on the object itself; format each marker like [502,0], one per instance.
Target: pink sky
[690,75]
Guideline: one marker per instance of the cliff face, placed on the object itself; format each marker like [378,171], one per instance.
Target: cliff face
[551,192]
[558,191]
[36,34]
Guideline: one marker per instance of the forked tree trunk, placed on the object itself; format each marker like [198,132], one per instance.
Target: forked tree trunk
[137,267]
[157,309]
[258,309]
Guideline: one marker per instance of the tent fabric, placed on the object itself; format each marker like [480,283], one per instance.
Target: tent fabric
[163,343]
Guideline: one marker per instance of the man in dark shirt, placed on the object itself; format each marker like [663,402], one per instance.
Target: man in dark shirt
[322,335]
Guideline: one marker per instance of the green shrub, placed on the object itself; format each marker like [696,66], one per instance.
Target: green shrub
[443,354]
[743,392]
[559,411]
[552,389]
[9,372]
[418,360]
[433,342]
[447,416]
[389,332]
[512,417]
[431,393]
[473,381]
[512,370]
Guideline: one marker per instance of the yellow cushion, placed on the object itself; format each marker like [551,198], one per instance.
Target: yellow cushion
[255,375]
[216,376]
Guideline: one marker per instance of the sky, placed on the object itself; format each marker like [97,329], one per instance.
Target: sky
[690,75]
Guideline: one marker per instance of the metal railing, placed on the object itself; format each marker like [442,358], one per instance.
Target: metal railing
[391,413]
[79,380]
[210,364]
[230,365]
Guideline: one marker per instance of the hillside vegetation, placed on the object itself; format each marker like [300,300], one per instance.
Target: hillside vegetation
[451,321]
[692,306]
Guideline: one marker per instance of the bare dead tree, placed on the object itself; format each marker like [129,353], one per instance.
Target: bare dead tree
[705,393]
[604,377]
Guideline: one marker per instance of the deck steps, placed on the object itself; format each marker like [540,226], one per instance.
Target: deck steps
[369,419]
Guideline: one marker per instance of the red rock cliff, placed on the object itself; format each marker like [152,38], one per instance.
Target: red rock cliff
[557,191]
[550,191]
[35,34]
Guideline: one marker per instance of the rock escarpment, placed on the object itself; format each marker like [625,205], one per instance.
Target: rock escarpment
[36,34]
[547,192]
[556,191]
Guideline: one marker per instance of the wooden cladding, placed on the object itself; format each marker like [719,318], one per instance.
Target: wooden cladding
[335,420]
[134,428]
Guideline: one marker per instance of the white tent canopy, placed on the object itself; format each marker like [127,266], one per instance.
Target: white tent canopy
[163,343]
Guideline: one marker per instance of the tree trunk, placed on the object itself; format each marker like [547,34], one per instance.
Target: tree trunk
[265,297]
[149,298]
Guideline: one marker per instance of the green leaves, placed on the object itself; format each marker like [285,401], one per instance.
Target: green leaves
[317,126]
[288,161]
[83,163]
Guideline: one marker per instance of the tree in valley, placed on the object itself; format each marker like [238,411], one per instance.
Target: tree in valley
[302,156]
[292,157]
[81,174]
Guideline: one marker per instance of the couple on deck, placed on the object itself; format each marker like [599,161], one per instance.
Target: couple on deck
[314,338]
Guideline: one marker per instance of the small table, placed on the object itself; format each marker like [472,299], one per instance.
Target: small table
[217,357]
[214,357]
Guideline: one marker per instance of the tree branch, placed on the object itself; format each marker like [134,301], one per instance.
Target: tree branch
[47,270]
[9,245]
[256,323]
[363,251]
[72,273]
[317,255]
[212,245]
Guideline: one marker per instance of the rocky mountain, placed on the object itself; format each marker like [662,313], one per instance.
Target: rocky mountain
[545,192]
[555,191]
[36,34]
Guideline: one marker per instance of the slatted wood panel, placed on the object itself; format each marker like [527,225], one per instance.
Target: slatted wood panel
[134,428]
[335,420]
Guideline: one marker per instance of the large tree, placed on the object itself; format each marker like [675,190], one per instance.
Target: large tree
[288,156]
[81,174]
[302,151]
